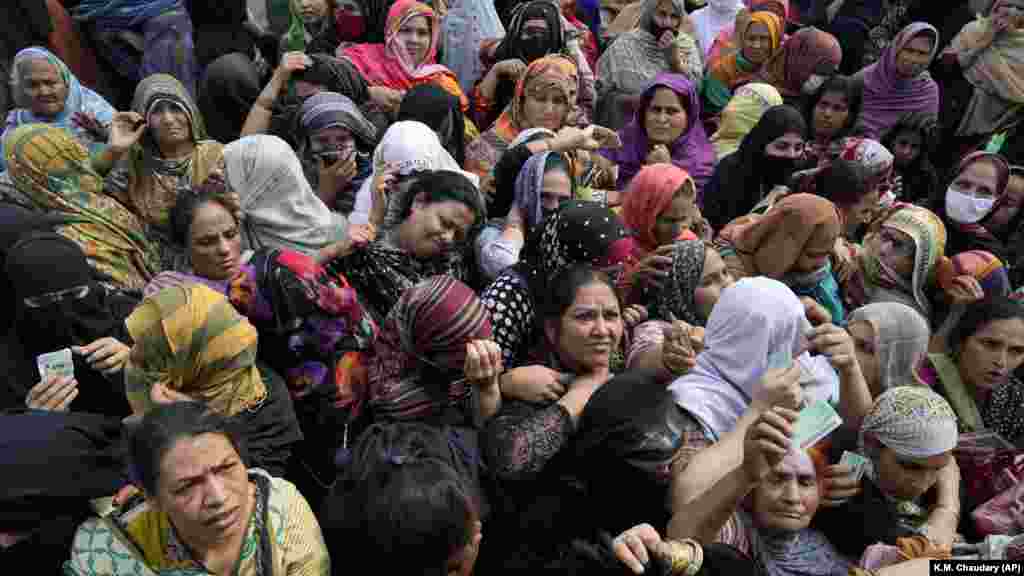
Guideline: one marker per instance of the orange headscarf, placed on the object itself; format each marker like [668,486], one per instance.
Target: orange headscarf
[551,70]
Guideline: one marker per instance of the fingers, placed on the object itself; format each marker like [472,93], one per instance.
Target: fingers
[472,365]
[52,394]
[631,551]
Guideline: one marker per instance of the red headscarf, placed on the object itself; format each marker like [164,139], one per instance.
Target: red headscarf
[651,193]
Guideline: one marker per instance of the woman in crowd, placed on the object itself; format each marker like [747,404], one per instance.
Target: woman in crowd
[792,243]
[831,112]
[183,453]
[726,41]
[899,83]
[44,90]
[431,105]
[741,114]
[52,170]
[661,42]
[543,183]
[912,140]
[859,204]
[406,59]
[170,155]
[430,236]
[978,185]
[760,36]
[666,129]
[670,341]
[801,64]
[898,260]
[767,158]
[712,19]
[189,343]
[890,339]
[965,278]
[853,190]
[526,444]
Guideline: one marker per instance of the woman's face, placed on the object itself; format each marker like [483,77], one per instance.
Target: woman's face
[895,250]
[665,120]
[978,179]
[830,114]
[437,226]
[914,57]
[544,106]
[589,330]
[312,10]
[169,125]
[788,498]
[908,478]
[555,188]
[215,246]
[204,489]
[335,138]
[45,88]
[1013,199]
[861,212]
[988,357]
[680,215]
[666,16]
[715,278]
[789,145]
[757,46]
[906,147]
[415,37]
[865,343]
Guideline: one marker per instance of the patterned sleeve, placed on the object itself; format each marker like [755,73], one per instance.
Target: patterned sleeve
[523,438]
[736,533]
[512,315]
[302,547]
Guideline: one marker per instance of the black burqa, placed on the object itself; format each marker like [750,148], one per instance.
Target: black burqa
[433,106]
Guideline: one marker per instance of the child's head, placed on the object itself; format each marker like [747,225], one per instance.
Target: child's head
[406,503]
[908,435]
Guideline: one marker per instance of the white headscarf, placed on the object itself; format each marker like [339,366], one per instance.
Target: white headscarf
[753,319]
[279,207]
[901,339]
[712,19]
[407,146]
[912,421]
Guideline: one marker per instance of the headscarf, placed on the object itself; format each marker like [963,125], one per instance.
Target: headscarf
[54,170]
[889,96]
[389,65]
[901,340]
[753,320]
[279,208]
[650,194]
[809,51]
[421,349]
[406,147]
[529,186]
[511,46]
[80,100]
[635,58]
[873,283]
[876,160]
[983,266]
[431,105]
[978,230]
[153,185]
[553,70]
[712,19]
[332,110]
[691,151]
[912,421]
[677,292]
[466,26]
[191,340]
[741,114]
[732,68]
[726,40]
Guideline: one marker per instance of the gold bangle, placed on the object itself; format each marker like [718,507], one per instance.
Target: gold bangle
[685,557]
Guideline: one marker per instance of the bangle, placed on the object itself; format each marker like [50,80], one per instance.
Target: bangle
[685,557]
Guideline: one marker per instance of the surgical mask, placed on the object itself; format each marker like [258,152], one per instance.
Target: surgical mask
[965,209]
[812,84]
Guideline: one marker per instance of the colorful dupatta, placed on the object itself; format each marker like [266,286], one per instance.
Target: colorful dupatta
[741,114]
[731,69]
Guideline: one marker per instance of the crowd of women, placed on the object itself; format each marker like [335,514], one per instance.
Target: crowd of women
[532,286]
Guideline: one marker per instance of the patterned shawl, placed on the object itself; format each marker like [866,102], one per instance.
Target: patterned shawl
[741,114]
[421,350]
[676,295]
[54,170]
[80,100]
[809,51]
[889,96]
[191,340]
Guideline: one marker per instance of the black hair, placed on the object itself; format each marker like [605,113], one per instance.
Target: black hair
[405,500]
[162,427]
[853,93]
[926,125]
[844,182]
[183,213]
[443,186]
[980,314]
[563,288]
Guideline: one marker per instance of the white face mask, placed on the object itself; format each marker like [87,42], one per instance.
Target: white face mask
[812,84]
[965,209]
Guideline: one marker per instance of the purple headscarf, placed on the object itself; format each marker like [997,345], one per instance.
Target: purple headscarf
[692,151]
[888,96]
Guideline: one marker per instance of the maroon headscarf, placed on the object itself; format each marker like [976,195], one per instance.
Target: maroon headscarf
[809,51]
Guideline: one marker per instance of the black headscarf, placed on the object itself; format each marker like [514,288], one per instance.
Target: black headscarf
[743,177]
[431,105]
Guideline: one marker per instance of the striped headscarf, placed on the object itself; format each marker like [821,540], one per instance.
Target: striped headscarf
[192,340]
[49,166]
[331,110]
[426,333]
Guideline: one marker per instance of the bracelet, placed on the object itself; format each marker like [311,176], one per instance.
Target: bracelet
[685,557]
